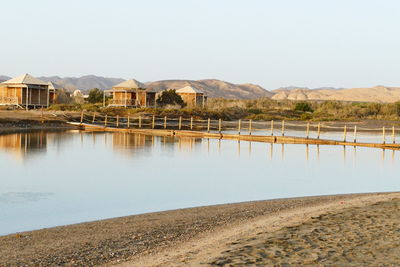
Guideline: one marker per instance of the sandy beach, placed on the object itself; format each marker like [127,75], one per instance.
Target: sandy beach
[349,229]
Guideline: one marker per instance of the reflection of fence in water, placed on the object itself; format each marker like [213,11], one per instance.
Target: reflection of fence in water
[244,149]
[134,141]
[188,143]
[311,152]
[131,141]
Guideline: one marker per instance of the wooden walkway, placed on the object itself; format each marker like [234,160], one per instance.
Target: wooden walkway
[239,137]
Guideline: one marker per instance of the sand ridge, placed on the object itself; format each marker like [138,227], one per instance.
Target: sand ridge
[241,244]
[366,236]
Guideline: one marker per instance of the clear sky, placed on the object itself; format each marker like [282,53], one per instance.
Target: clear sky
[314,43]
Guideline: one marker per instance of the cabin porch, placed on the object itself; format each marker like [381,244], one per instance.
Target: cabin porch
[130,98]
[25,96]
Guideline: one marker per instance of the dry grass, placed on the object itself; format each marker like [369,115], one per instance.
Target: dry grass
[260,109]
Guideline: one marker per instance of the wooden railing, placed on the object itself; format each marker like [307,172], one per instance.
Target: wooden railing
[8,100]
[123,102]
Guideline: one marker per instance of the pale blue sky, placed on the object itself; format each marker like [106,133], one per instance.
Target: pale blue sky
[342,43]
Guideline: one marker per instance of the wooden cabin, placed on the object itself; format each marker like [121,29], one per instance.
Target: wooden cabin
[25,91]
[192,96]
[53,88]
[131,93]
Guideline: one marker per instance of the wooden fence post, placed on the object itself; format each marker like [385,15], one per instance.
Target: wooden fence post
[239,126]
[191,123]
[250,127]
[129,122]
[219,125]
[308,130]
[105,121]
[283,128]
[82,117]
[319,130]
[153,122]
[165,122]
[384,134]
[180,122]
[140,121]
[355,134]
[208,125]
[117,121]
[94,117]
[345,133]
[272,128]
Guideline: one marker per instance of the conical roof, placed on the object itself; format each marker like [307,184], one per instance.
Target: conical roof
[54,86]
[131,84]
[189,89]
[25,79]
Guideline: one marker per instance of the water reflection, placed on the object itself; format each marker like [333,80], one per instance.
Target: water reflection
[130,143]
[21,145]
[94,175]
[28,145]
[271,151]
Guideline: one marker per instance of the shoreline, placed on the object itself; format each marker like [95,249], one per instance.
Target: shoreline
[21,120]
[169,237]
[34,120]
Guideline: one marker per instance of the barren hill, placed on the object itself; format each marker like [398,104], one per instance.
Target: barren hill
[83,83]
[4,78]
[374,94]
[215,88]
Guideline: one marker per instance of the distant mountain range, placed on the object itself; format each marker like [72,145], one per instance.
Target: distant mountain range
[215,88]
[218,88]
[83,83]
[4,78]
[372,94]
[290,88]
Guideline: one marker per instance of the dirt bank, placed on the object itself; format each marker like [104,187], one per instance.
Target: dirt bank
[160,238]
[21,120]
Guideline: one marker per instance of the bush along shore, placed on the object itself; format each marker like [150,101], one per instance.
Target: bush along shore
[262,109]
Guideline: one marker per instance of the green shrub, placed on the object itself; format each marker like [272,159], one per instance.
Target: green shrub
[91,107]
[95,96]
[303,106]
[397,108]
[305,116]
[170,97]
[65,107]
[254,111]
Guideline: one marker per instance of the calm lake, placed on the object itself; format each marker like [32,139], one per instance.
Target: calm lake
[57,178]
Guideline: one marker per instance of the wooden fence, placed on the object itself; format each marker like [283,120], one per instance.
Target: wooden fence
[241,129]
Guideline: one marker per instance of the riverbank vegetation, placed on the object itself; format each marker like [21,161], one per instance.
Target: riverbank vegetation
[259,109]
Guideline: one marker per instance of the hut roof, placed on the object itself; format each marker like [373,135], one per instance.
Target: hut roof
[54,86]
[131,84]
[25,79]
[189,89]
